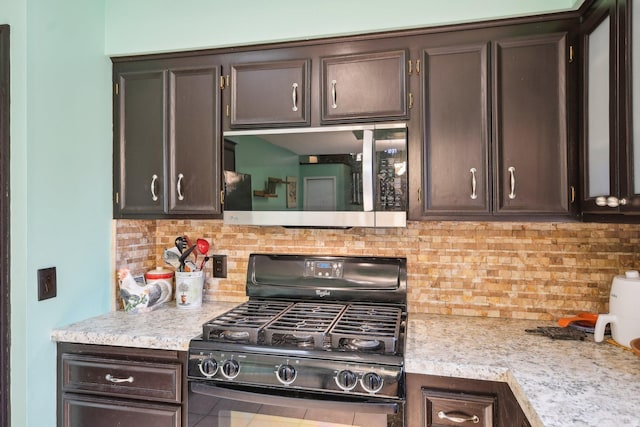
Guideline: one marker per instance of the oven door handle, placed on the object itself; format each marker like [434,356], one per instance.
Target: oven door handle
[264,399]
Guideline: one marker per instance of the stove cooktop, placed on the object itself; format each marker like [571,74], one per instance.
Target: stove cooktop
[310,325]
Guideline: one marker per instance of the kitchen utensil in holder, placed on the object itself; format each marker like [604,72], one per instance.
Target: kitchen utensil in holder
[189,287]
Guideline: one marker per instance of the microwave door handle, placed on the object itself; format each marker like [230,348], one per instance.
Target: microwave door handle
[292,402]
[367,170]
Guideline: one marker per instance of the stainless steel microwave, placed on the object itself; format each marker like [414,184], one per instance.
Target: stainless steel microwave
[330,176]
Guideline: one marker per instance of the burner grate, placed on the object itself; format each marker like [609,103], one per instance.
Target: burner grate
[243,323]
[367,328]
[303,325]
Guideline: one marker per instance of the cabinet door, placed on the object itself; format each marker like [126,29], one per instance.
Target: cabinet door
[456,131]
[611,92]
[369,86]
[270,93]
[85,410]
[599,156]
[194,141]
[629,88]
[530,125]
[140,143]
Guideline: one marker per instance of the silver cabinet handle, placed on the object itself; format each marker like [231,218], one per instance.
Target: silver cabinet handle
[179,186]
[115,380]
[512,174]
[611,201]
[614,202]
[295,96]
[474,194]
[154,196]
[333,94]
[601,201]
[443,416]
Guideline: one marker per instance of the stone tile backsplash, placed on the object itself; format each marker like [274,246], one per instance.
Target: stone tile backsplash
[495,269]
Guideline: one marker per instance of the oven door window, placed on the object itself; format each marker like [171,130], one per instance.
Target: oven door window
[212,406]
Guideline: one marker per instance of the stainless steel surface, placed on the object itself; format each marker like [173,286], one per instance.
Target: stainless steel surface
[330,176]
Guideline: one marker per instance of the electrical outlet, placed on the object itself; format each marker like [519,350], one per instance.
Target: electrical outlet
[220,266]
[47,286]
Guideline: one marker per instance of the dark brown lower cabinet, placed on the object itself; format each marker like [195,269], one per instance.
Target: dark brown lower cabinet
[109,386]
[434,401]
[83,410]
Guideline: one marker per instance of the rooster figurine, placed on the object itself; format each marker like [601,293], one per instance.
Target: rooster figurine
[139,298]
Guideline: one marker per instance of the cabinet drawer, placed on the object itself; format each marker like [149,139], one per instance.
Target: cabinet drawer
[80,411]
[457,409]
[123,378]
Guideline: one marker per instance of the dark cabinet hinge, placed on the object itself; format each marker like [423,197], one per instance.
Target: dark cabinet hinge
[222,197]
[410,67]
[224,82]
[116,88]
[571,53]
[573,194]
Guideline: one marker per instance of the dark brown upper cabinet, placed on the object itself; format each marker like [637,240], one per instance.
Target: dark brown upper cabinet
[530,124]
[140,143]
[272,93]
[364,87]
[456,129]
[495,124]
[611,92]
[167,138]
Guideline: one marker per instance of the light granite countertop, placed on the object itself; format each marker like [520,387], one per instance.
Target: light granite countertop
[165,328]
[558,383]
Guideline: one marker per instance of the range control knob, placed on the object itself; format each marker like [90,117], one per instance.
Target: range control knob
[208,367]
[286,374]
[346,380]
[230,369]
[371,382]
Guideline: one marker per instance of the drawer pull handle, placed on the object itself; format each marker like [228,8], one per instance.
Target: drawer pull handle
[154,196]
[474,183]
[443,416]
[115,380]
[512,176]
[179,187]
[294,95]
[334,94]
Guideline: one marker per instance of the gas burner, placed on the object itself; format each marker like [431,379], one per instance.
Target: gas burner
[356,344]
[299,340]
[236,336]
[370,329]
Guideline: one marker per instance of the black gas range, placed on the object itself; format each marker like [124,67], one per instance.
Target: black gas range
[318,327]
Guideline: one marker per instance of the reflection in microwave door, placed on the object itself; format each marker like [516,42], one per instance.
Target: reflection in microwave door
[292,192]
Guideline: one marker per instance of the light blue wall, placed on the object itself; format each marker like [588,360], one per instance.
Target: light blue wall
[143,26]
[60,185]
[61,149]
